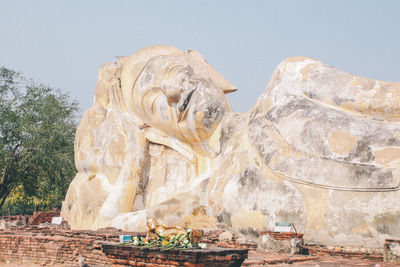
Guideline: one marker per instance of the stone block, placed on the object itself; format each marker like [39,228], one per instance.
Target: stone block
[391,251]
[4,225]
[281,242]
[226,236]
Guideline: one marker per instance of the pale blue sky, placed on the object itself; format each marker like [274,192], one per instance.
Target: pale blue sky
[63,43]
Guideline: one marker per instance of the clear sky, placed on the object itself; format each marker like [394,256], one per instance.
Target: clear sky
[63,43]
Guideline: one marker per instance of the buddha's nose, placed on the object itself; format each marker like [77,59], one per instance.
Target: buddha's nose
[173,96]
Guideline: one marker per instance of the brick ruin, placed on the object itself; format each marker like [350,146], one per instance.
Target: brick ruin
[37,218]
[32,239]
[43,217]
[49,245]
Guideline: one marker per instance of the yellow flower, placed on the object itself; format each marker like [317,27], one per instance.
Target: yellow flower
[165,242]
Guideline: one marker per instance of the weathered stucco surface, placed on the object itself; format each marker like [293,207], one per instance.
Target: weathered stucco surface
[321,149]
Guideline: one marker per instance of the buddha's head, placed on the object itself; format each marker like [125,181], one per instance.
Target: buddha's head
[177,92]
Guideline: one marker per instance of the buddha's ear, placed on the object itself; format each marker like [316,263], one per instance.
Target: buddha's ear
[201,65]
[149,98]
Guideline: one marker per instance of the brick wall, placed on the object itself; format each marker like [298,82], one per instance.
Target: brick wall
[43,217]
[47,246]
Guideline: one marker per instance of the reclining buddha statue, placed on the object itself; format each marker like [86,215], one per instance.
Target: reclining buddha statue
[320,149]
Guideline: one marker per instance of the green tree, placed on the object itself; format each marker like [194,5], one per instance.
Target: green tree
[37,131]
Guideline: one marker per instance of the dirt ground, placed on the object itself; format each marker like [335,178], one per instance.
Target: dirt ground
[18,265]
[259,258]
[31,265]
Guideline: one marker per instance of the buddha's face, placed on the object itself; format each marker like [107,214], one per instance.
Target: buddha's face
[179,101]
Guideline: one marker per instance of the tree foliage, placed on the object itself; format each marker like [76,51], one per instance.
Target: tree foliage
[37,131]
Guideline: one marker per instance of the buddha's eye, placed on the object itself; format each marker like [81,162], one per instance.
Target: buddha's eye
[186,102]
[182,108]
